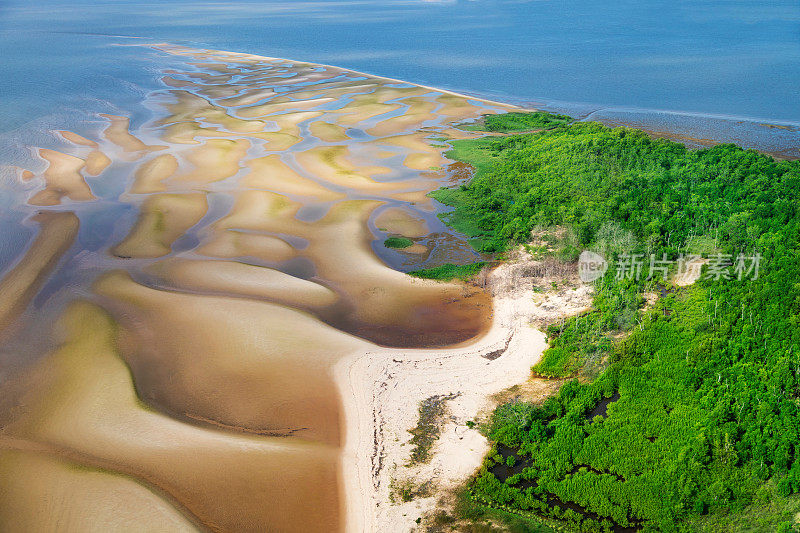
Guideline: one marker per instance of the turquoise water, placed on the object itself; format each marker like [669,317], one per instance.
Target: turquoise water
[713,57]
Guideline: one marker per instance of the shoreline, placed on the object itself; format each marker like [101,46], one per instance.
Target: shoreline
[164,47]
[379,389]
[382,389]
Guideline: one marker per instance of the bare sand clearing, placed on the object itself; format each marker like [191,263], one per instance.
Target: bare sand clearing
[242,337]
[80,406]
[163,218]
[117,133]
[150,175]
[57,232]
[385,388]
[62,180]
[270,173]
[402,222]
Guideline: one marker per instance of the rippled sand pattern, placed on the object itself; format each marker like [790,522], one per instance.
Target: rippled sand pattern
[189,385]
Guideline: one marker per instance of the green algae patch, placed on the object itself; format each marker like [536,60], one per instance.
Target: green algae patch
[449,271]
[518,122]
[397,242]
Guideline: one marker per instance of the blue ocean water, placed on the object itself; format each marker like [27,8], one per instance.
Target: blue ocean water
[731,57]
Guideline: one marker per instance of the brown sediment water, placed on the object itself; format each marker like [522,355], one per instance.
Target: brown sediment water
[191,384]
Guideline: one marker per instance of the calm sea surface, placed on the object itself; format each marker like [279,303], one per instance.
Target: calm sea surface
[730,58]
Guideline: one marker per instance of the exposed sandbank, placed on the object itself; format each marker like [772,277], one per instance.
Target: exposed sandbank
[206,372]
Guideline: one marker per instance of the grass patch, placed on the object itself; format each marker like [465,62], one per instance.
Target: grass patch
[449,271]
[429,426]
[470,516]
[456,218]
[517,122]
[770,511]
[406,490]
[480,153]
[556,362]
[397,242]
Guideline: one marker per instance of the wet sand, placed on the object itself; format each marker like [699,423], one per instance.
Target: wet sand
[193,380]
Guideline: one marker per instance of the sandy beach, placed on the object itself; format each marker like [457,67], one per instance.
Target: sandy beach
[239,338]
[382,391]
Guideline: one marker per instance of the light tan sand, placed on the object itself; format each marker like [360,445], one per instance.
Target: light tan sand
[43,493]
[382,391]
[57,232]
[162,219]
[74,138]
[81,406]
[263,211]
[272,107]
[288,122]
[169,81]
[214,160]
[364,108]
[339,89]
[150,175]
[250,97]
[248,281]
[236,244]
[235,362]
[402,222]
[218,91]
[270,173]
[96,162]
[117,133]
[457,107]
[420,111]
[332,164]
[188,131]
[62,179]
[423,156]
[189,106]
[325,131]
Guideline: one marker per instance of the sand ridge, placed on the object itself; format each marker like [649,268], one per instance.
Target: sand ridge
[202,363]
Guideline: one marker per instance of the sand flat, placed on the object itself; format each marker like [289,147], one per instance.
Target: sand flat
[252,370]
[401,222]
[96,162]
[281,106]
[150,175]
[163,218]
[62,179]
[80,140]
[117,133]
[57,232]
[325,131]
[232,244]
[243,280]
[81,403]
[332,164]
[43,492]
[211,375]
[270,173]
[420,111]
[214,160]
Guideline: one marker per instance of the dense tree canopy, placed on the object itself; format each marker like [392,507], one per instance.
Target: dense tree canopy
[704,426]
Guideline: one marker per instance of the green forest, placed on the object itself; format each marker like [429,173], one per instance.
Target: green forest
[690,420]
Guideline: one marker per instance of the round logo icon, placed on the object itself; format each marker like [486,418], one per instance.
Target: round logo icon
[591,266]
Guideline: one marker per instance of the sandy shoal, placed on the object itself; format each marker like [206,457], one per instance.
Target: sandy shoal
[381,391]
